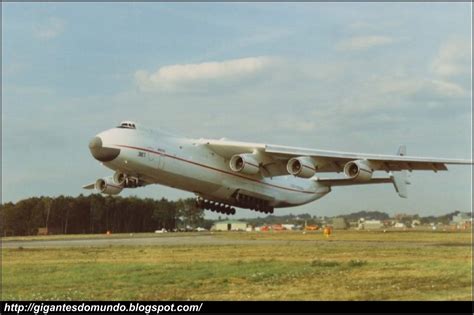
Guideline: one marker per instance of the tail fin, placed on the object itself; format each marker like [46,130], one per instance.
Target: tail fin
[400,179]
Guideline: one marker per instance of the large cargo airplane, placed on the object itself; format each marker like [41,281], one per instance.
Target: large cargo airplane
[226,174]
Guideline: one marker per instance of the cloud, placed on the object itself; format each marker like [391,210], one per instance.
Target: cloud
[51,28]
[172,76]
[363,42]
[446,88]
[453,59]
[410,86]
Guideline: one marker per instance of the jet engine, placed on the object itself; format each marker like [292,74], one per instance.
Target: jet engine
[302,166]
[244,163]
[358,170]
[125,181]
[119,178]
[108,186]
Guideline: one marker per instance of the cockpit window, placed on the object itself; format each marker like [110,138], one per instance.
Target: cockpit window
[127,125]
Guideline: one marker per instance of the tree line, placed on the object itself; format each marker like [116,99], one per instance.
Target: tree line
[98,214]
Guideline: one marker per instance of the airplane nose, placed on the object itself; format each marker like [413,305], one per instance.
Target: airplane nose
[101,153]
[95,143]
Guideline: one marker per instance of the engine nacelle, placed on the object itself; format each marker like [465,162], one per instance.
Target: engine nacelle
[358,170]
[244,163]
[125,181]
[119,179]
[107,186]
[302,166]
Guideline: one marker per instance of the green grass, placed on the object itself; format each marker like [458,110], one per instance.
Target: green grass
[350,265]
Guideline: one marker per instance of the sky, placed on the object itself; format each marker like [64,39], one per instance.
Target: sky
[363,77]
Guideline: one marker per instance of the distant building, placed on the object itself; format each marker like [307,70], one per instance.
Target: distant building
[278,227]
[462,219]
[339,223]
[229,225]
[399,225]
[289,226]
[298,227]
[354,224]
[370,224]
[263,228]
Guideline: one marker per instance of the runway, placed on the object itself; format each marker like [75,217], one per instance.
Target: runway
[132,241]
[205,239]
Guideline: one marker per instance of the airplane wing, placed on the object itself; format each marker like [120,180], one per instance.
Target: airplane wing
[89,186]
[274,158]
[144,180]
[331,161]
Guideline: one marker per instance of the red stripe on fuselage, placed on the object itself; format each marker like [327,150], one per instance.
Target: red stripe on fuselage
[214,169]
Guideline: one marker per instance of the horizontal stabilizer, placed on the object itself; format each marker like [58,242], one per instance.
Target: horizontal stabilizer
[398,179]
[351,181]
[400,182]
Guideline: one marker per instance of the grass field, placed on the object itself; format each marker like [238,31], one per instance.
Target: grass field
[350,265]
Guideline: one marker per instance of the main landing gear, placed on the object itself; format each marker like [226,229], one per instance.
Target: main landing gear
[253,203]
[243,201]
[214,206]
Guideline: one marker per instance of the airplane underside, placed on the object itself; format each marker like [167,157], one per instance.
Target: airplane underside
[225,174]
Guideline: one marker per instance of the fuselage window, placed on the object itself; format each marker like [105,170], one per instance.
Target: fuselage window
[127,126]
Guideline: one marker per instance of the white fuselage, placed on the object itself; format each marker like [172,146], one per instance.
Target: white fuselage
[187,164]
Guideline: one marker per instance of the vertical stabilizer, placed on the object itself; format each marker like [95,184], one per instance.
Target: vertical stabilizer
[402,150]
